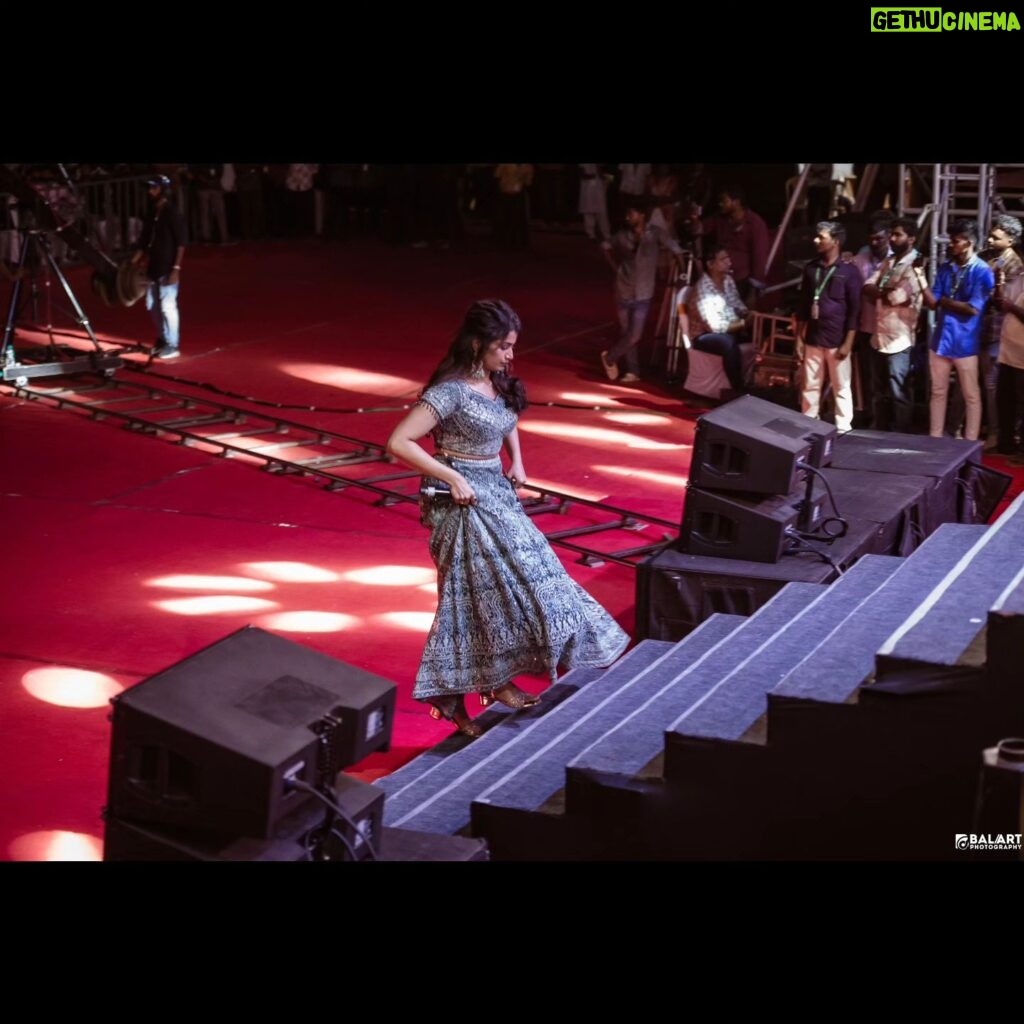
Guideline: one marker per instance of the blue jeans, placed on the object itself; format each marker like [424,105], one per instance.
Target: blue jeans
[162,303]
[890,378]
[632,317]
[728,347]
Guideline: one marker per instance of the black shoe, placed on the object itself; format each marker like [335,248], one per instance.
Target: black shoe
[167,352]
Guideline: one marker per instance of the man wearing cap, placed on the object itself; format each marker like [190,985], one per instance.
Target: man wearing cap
[162,246]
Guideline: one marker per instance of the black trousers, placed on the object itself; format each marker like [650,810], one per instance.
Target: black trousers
[1009,407]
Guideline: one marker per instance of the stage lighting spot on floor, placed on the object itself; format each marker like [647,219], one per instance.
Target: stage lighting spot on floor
[290,572]
[677,480]
[308,622]
[348,378]
[588,398]
[562,487]
[70,687]
[194,582]
[420,622]
[592,435]
[660,446]
[222,604]
[392,575]
[55,846]
[641,419]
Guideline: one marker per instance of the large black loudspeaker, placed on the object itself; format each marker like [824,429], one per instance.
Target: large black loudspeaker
[746,527]
[215,741]
[755,446]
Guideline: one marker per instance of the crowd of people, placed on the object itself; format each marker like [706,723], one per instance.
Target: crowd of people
[863,312]
[859,348]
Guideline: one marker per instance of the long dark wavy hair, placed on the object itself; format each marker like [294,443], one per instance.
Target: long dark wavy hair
[485,322]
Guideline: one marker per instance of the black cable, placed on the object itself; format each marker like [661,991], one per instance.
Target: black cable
[307,788]
[838,518]
[798,541]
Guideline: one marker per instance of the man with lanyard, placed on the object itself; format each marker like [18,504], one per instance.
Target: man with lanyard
[826,325]
[962,287]
[633,253]
[162,245]
[896,294]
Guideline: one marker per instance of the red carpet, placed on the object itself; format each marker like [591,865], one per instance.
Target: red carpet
[126,554]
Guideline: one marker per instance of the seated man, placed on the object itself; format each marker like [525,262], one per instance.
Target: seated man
[719,321]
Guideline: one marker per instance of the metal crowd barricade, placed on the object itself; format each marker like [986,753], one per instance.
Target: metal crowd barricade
[108,211]
[113,210]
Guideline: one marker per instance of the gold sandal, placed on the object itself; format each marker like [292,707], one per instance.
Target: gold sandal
[511,696]
[459,717]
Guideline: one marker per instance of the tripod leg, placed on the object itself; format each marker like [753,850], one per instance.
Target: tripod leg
[79,312]
[7,357]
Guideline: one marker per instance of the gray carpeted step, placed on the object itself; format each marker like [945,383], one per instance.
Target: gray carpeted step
[434,800]
[947,620]
[537,771]
[1011,600]
[845,658]
[496,715]
[441,800]
[739,698]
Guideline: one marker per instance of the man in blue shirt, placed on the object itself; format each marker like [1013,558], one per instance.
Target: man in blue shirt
[962,287]
[826,318]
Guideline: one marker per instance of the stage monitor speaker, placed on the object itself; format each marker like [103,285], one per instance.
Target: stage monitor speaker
[754,446]
[747,527]
[304,834]
[215,741]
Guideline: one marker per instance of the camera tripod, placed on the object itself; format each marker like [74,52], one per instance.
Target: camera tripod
[36,260]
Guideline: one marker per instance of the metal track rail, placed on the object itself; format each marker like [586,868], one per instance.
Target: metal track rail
[286,447]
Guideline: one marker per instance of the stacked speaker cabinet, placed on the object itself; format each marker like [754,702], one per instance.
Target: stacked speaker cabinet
[239,745]
[749,487]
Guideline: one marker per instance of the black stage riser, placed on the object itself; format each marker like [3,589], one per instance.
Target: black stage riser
[894,491]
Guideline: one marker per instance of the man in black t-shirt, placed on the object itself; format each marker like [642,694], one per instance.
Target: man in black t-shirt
[162,246]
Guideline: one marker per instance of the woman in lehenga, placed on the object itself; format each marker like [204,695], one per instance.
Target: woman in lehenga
[505,604]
